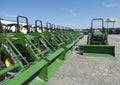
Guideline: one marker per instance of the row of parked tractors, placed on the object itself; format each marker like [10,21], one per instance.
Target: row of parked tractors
[31,55]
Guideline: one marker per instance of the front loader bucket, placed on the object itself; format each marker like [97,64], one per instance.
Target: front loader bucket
[99,50]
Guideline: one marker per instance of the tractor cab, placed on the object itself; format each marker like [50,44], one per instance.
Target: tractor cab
[97,35]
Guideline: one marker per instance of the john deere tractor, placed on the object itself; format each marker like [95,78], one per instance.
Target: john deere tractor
[97,42]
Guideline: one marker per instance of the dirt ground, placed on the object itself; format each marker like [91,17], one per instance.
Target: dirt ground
[82,70]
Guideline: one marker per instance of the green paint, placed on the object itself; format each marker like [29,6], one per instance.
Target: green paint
[41,64]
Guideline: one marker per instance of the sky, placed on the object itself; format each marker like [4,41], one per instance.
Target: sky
[71,13]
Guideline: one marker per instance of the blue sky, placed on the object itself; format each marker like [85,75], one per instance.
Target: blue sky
[72,13]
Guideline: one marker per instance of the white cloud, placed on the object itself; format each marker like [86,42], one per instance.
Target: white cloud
[112,5]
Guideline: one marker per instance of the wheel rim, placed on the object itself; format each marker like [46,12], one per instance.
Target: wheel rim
[8,62]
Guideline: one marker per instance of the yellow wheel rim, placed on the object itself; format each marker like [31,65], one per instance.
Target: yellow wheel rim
[39,50]
[8,62]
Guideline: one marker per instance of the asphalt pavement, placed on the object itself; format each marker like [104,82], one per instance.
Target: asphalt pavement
[84,70]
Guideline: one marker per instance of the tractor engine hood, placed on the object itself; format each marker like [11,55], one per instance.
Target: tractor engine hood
[99,34]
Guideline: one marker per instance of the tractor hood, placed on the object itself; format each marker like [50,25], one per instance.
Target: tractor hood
[97,33]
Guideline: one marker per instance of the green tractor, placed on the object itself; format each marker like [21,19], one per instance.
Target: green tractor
[97,42]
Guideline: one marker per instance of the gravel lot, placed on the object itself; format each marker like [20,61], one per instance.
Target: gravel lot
[81,70]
